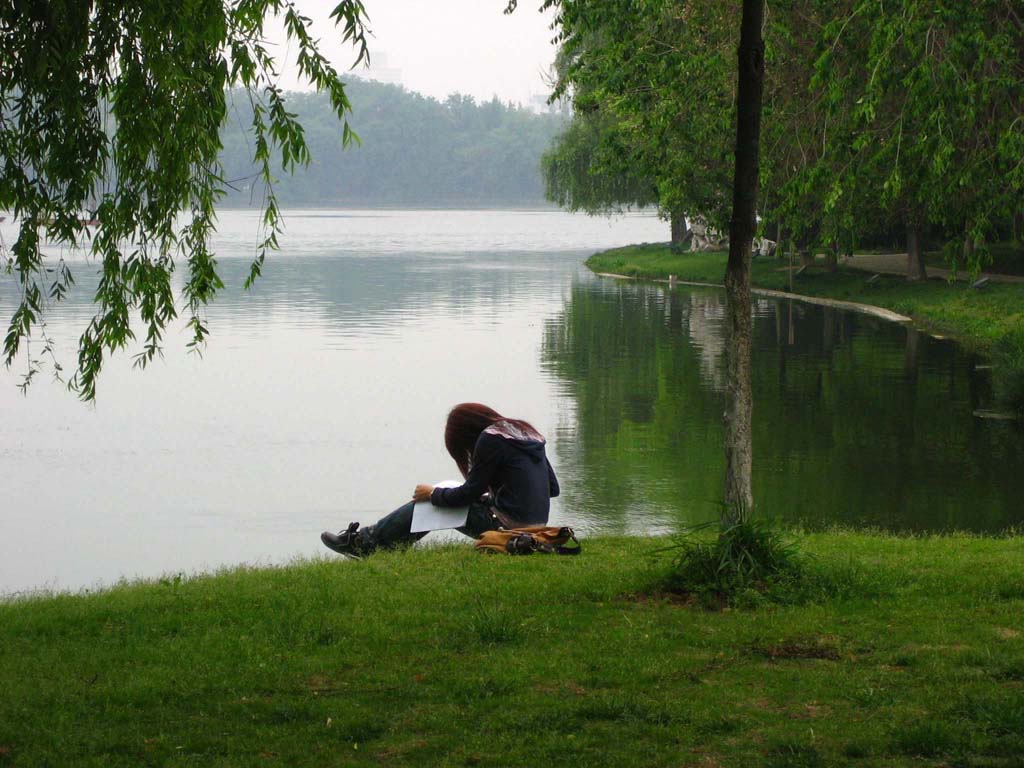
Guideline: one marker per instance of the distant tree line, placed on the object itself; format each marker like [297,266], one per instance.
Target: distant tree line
[412,150]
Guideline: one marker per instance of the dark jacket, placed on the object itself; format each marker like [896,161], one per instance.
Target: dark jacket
[510,464]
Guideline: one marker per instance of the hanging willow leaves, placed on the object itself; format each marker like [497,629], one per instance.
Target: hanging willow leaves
[924,103]
[113,109]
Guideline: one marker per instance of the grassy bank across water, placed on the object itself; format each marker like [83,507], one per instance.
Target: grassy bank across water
[984,319]
[900,652]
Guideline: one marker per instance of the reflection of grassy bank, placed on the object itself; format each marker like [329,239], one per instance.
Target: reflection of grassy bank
[981,318]
[990,320]
[445,657]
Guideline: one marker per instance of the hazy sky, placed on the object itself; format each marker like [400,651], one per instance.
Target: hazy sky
[443,46]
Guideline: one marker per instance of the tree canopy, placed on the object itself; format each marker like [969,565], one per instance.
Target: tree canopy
[924,102]
[651,87]
[880,117]
[113,109]
[594,166]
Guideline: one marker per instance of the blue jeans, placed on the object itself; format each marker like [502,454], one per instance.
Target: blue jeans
[394,530]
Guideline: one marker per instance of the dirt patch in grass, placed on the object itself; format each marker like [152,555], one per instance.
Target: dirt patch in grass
[661,597]
[811,711]
[561,689]
[825,647]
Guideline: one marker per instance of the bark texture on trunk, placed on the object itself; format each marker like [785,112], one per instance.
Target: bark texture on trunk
[915,256]
[739,406]
[681,234]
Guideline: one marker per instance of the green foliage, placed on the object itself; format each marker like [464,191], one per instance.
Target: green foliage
[593,167]
[922,102]
[878,116]
[743,556]
[115,109]
[652,87]
[1005,257]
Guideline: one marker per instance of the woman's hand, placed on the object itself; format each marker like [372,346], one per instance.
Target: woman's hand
[422,493]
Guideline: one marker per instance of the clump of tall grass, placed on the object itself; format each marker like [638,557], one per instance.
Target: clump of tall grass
[743,561]
[493,623]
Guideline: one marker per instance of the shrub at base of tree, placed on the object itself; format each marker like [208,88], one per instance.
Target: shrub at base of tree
[743,561]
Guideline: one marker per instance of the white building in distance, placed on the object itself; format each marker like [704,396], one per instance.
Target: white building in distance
[379,70]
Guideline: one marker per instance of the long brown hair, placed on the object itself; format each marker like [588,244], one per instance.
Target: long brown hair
[465,423]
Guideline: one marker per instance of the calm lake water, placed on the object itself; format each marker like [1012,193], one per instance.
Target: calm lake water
[322,396]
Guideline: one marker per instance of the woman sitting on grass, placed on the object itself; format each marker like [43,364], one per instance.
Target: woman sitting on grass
[509,483]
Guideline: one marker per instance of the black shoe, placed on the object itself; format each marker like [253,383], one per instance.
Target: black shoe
[347,542]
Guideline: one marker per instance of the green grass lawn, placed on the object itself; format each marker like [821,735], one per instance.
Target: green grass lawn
[911,653]
[980,318]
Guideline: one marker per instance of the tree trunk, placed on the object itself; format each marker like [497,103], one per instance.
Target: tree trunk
[915,257]
[968,251]
[681,235]
[791,247]
[832,258]
[739,497]
[806,257]
[675,313]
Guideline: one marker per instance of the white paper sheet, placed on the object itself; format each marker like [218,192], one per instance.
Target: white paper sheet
[427,517]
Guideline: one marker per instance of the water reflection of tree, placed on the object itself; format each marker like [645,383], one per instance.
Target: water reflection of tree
[855,420]
[620,351]
[707,313]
